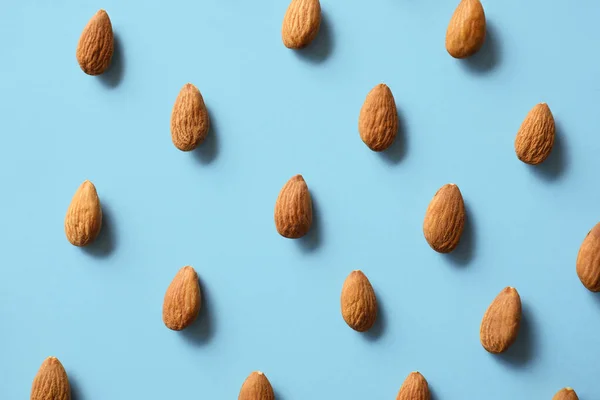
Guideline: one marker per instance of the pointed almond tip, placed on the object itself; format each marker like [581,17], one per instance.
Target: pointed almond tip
[259,373]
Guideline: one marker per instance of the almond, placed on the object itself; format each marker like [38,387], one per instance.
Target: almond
[189,119]
[256,387]
[96,44]
[378,120]
[301,23]
[535,138]
[415,387]
[51,382]
[293,209]
[500,324]
[182,300]
[84,216]
[588,260]
[565,394]
[445,219]
[359,304]
[466,30]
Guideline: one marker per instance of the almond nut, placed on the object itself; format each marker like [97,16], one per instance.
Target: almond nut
[445,219]
[588,260]
[301,23]
[293,209]
[535,138]
[358,301]
[566,394]
[96,45]
[378,120]
[51,382]
[182,300]
[501,322]
[189,119]
[466,30]
[415,387]
[84,216]
[256,387]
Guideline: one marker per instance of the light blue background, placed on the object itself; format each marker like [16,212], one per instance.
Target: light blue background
[272,304]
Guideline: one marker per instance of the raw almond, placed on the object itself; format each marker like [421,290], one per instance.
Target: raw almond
[96,44]
[565,394]
[51,382]
[415,387]
[359,304]
[301,23]
[535,138]
[84,216]
[466,30]
[445,219]
[293,209]
[500,324]
[189,119]
[588,260]
[256,387]
[378,120]
[182,301]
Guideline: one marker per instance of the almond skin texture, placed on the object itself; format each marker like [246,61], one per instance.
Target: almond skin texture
[445,219]
[565,394]
[501,322]
[182,300]
[51,382]
[358,301]
[84,216]
[293,209]
[189,119]
[588,260]
[415,387]
[256,387]
[301,23]
[96,45]
[378,120]
[466,30]
[535,138]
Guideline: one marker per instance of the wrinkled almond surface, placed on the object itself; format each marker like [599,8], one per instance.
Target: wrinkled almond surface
[301,23]
[378,120]
[256,387]
[293,209]
[588,260]
[466,30]
[501,322]
[84,216]
[415,387]
[566,394]
[189,119]
[96,45]
[358,301]
[182,301]
[51,382]
[535,138]
[445,219]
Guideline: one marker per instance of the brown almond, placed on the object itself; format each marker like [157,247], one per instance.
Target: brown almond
[293,209]
[445,219]
[301,23]
[415,387]
[51,382]
[189,119]
[535,138]
[182,300]
[378,120]
[256,387]
[466,30]
[84,216]
[588,260]
[566,394]
[358,301]
[501,322]
[96,45]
